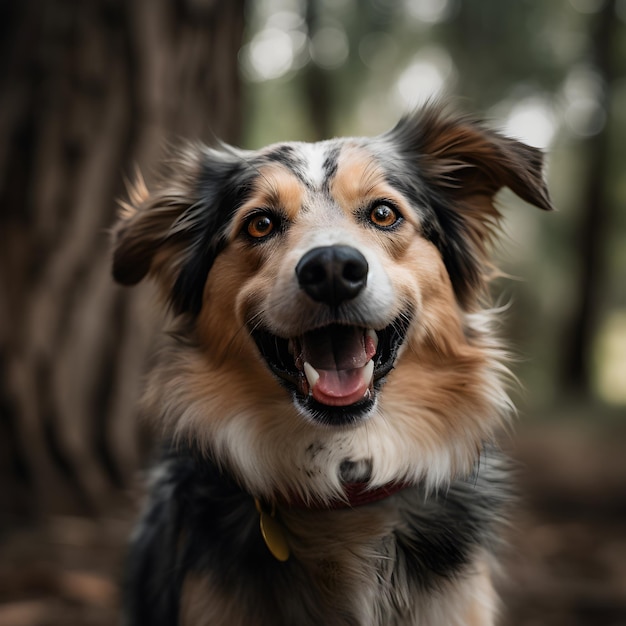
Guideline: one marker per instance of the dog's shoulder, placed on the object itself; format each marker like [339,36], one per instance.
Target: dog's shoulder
[195,517]
[445,528]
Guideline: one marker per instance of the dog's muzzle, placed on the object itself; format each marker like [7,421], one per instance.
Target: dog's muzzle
[334,370]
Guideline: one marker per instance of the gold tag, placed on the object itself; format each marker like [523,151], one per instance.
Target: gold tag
[273,534]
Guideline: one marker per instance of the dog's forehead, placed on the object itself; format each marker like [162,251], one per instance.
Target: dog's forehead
[346,166]
[314,164]
[323,180]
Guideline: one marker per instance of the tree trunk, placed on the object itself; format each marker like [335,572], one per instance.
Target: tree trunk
[88,92]
[592,232]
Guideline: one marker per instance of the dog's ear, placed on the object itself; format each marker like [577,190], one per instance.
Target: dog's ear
[175,231]
[457,166]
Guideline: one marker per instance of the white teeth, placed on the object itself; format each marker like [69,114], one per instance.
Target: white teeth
[371,333]
[311,374]
[368,372]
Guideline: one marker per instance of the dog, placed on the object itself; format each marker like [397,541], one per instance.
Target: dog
[332,383]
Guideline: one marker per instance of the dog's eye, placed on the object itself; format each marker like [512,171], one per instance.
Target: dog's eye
[260,225]
[383,216]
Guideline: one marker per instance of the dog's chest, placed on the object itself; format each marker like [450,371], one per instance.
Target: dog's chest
[410,559]
[379,565]
[353,562]
[343,569]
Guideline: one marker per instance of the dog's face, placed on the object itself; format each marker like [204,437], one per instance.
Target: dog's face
[329,286]
[331,292]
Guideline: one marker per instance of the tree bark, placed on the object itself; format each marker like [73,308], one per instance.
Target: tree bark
[88,92]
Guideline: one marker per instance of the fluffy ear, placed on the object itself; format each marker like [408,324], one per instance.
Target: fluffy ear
[175,231]
[456,167]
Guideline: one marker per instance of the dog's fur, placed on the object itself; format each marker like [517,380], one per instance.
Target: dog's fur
[229,235]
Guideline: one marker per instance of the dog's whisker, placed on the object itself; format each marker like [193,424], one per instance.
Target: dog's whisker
[254,323]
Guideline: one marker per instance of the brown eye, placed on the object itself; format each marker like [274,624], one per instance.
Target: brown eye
[260,226]
[383,216]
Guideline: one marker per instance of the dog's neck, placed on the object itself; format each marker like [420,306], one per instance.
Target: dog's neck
[355,494]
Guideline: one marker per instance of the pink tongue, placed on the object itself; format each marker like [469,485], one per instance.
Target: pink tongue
[340,387]
[338,354]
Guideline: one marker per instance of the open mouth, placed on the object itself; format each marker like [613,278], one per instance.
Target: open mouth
[334,371]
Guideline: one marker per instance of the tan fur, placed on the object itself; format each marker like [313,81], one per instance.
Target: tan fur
[276,187]
[481,596]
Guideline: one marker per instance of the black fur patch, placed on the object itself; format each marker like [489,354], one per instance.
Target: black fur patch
[198,520]
[223,186]
[443,532]
[330,165]
[287,155]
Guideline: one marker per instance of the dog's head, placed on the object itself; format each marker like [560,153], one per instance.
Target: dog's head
[333,287]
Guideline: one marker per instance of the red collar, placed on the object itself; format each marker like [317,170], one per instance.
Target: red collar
[355,494]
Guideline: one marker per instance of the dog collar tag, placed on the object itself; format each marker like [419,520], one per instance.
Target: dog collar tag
[273,534]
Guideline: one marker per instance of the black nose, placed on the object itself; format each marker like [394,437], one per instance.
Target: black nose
[332,274]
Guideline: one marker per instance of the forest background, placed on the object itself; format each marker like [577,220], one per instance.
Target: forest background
[91,91]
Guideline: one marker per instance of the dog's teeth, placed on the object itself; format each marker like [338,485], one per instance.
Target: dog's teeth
[371,333]
[311,374]
[368,372]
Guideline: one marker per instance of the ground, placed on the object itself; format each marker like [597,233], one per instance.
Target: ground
[565,564]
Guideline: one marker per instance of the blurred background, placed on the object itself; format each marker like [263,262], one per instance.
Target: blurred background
[91,90]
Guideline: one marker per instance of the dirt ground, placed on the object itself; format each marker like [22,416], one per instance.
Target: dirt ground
[566,564]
